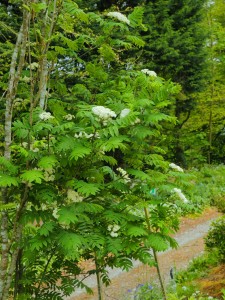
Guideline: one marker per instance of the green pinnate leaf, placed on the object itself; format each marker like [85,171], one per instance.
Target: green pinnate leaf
[136,40]
[66,143]
[96,240]
[79,152]
[86,188]
[8,165]
[134,231]
[32,176]
[115,142]
[7,206]
[136,16]
[7,180]
[47,162]
[67,216]
[46,228]
[157,241]
[70,241]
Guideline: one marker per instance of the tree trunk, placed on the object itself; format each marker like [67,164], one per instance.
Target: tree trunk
[17,63]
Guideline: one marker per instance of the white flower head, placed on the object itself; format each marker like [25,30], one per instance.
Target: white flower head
[103,113]
[120,17]
[55,213]
[180,195]
[25,79]
[114,234]
[45,116]
[148,72]
[74,196]
[116,228]
[176,167]
[68,117]
[124,175]
[113,230]
[33,66]
[124,112]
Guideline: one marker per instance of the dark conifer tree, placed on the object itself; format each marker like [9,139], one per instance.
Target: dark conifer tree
[175,48]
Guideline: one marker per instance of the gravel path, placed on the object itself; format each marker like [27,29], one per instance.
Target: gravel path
[191,244]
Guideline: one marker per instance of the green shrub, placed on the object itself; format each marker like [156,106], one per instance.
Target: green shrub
[216,238]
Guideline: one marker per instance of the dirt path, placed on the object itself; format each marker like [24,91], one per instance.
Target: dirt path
[191,244]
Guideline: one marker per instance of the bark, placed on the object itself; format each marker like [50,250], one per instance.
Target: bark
[17,63]
[155,257]
[46,39]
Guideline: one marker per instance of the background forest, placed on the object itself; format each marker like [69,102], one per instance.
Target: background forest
[112,128]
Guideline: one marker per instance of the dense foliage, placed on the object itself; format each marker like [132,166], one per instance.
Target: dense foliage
[83,162]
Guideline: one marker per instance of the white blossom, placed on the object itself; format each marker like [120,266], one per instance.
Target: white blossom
[116,228]
[69,117]
[124,112]
[48,174]
[33,66]
[119,16]
[103,113]
[83,134]
[74,196]
[114,234]
[181,195]
[24,144]
[25,79]
[148,72]
[113,230]
[176,167]
[124,175]
[45,116]
[55,213]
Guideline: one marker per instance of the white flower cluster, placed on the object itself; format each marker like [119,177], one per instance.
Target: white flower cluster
[55,213]
[105,114]
[69,117]
[33,66]
[119,16]
[83,134]
[124,112]
[180,194]
[124,175]
[25,79]
[176,167]
[74,196]
[113,230]
[148,72]
[49,174]
[45,116]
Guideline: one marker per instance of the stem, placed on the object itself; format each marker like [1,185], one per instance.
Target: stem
[100,297]
[43,274]
[155,256]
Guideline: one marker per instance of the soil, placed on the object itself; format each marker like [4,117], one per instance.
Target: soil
[190,238]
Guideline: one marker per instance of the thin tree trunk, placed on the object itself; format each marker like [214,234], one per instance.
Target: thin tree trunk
[17,63]
[155,256]
[99,284]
